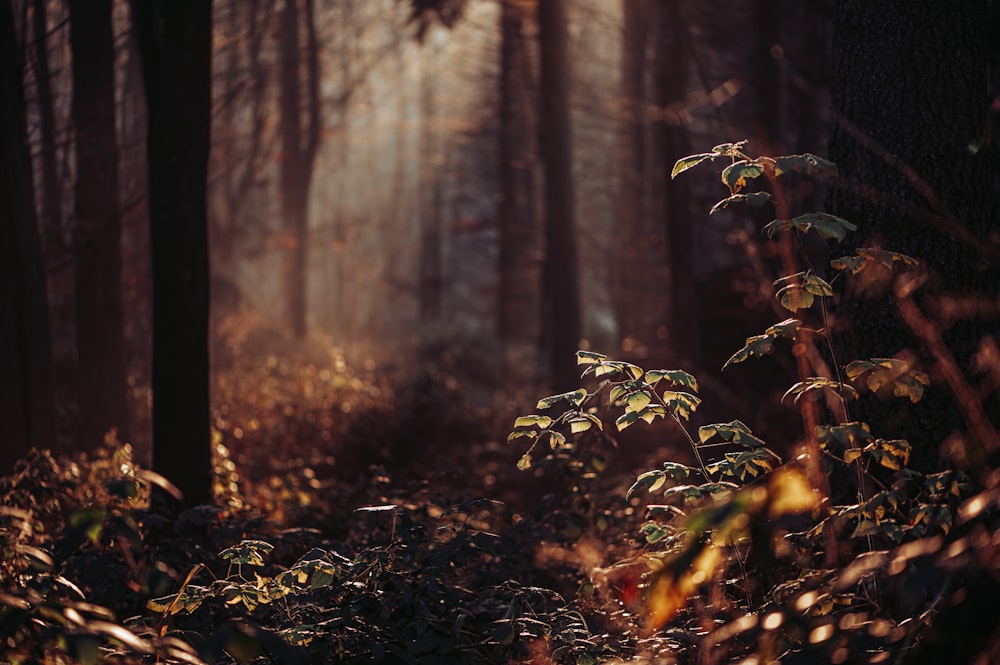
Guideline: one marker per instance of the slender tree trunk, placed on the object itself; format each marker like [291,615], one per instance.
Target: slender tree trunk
[50,193]
[770,87]
[97,231]
[630,253]
[684,336]
[562,320]
[175,39]
[519,265]
[26,406]
[905,140]
[299,146]
[431,192]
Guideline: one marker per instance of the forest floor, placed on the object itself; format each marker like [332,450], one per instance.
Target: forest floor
[376,515]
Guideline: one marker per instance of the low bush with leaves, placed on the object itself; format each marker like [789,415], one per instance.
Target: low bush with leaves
[828,546]
[749,555]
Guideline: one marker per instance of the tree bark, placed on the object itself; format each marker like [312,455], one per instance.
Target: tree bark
[562,319]
[299,146]
[519,266]
[100,347]
[431,194]
[903,139]
[50,193]
[684,330]
[26,405]
[175,38]
[630,256]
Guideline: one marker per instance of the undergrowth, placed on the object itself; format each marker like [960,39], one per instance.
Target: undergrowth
[393,529]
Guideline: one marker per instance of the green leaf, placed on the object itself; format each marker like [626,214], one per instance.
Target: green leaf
[885,374]
[856,368]
[776,226]
[688,492]
[161,604]
[677,471]
[653,510]
[89,522]
[865,528]
[589,358]
[323,575]
[608,367]
[828,226]
[735,431]
[814,383]
[689,162]
[735,175]
[575,398]
[730,149]
[577,425]
[645,480]
[637,401]
[795,297]
[626,420]
[895,453]
[807,163]
[651,413]
[754,199]
[556,439]
[682,404]
[854,264]
[542,422]
[250,552]
[676,377]
[654,532]
[593,419]
[756,346]
[816,285]
[869,257]
[524,463]
[788,329]
[848,435]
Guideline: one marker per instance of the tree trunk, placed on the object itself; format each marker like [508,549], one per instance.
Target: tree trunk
[684,330]
[175,39]
[431,193]
[562,320]
[630,256]
[519,266]
[26,406]
[299,146]
[904,140]
[100,344]
[50,193]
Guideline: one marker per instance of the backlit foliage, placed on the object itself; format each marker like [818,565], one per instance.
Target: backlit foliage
[351,521]
[752,556]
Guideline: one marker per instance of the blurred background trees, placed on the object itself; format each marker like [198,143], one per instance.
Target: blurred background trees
[396,179]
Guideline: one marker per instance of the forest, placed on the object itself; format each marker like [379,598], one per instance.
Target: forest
[499,331]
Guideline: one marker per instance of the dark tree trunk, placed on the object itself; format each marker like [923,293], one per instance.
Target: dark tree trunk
[684,330]
[910,181]
[26,406]
[97,231]
[562,319]
[770,88]
[175,40]
[431,193]
[519,299]
[299,146]
[50,193]
[630,253]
